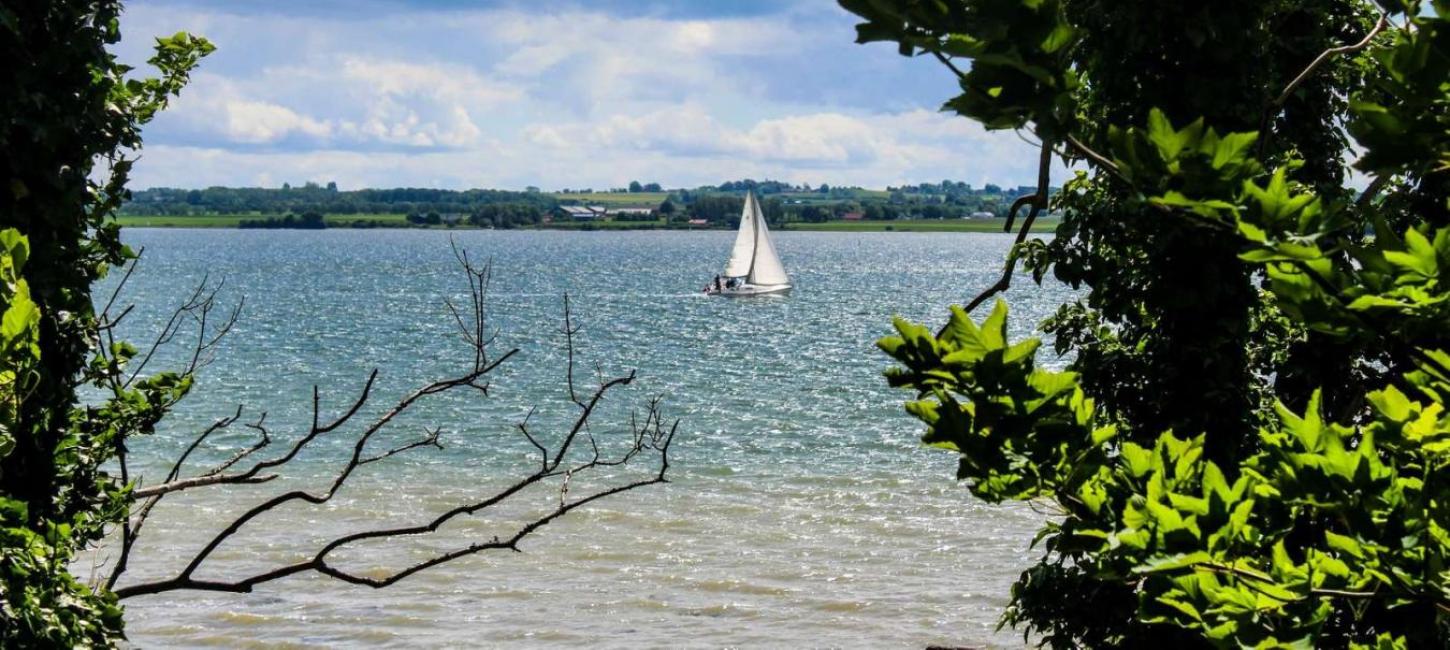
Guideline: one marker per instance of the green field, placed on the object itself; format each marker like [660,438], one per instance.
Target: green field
[834,197]
[923,225]
[232,220]
[616,199]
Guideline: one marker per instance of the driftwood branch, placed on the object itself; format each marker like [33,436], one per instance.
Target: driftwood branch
[561,460]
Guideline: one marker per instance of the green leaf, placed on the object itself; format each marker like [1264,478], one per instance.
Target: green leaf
[1344,544]
[1174,562]
[1138,459]
[994,329]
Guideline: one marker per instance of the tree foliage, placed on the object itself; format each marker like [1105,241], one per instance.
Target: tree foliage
[68,117]
[312,197]
[1249,445]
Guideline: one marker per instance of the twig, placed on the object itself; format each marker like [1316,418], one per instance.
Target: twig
[569,331]
[556,461]
[1097,158]
[1037,202]
[1371,191]
[1379,26]
[430,440]
[1265,133]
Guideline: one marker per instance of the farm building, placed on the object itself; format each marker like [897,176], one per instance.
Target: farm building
[583,212]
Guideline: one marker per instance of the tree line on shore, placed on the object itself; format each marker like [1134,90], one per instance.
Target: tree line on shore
[715,205]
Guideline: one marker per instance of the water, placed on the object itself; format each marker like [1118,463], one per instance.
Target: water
[801,512]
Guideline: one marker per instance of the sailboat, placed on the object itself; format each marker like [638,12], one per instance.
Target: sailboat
[754,269]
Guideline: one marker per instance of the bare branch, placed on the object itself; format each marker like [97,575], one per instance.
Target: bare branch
[569,331]
[429,440]
[105,312]
[524,429]
[1375,187]
[1038,202]
[658,440]
[1265,134]
[557,462]
[196,309]
[263,440]
[1379,26]
[215,426]
[652,437]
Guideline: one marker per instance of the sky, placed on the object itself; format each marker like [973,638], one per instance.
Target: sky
[508,94]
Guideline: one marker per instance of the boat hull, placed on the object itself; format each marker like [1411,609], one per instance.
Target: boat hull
[749,290]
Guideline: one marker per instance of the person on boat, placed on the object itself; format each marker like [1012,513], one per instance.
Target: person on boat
[717,283]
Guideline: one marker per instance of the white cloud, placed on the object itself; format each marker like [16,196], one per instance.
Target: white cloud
[604,60]
[903,141]
[483,98]
[453,84]
[349,102]
[261,122]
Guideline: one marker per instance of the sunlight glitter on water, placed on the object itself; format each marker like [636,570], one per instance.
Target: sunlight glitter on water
[803,512]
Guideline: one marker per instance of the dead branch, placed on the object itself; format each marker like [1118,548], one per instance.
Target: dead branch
[1037,203]
[557,460]
[196,309]
[569,330]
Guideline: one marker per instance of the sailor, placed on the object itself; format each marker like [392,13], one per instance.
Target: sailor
[717,282]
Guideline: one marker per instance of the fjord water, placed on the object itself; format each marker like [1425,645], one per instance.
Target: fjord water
[803,510]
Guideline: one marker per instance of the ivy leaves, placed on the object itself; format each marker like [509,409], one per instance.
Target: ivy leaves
[70,117]
[19,331]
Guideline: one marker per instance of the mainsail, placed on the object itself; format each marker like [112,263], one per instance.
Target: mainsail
[744,251]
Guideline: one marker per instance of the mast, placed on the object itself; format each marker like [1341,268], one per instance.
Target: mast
[743,251]
[749,200]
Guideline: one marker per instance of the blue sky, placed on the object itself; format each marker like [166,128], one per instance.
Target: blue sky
[456,94]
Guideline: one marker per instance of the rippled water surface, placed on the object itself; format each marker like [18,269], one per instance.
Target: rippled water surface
[802,510]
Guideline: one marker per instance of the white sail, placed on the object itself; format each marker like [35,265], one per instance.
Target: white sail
[767,269]
[744,250]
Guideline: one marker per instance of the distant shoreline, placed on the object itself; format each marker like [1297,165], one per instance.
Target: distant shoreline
[398,222]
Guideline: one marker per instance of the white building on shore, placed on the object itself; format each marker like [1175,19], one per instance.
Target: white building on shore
[584,212]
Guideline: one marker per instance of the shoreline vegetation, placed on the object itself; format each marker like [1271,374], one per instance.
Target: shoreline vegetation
[946,206]
[399,221]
